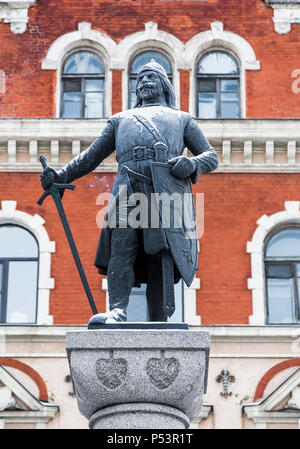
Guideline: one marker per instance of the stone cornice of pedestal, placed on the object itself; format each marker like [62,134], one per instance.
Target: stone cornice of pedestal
[242,332]
[15,12]
[286,12]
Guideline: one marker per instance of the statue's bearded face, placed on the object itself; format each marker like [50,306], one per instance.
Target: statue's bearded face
[149,85]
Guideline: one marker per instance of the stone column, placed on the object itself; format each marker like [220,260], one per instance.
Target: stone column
[138,378]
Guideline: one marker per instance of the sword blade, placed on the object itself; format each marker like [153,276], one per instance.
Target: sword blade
[168,283]
[56,197]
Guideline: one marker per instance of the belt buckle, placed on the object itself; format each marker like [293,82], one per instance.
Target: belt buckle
[138,153]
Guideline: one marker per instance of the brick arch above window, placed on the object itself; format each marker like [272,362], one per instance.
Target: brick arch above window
[183,57]
[69,41]
[255,247]
[271,373]
[84,39]
[35,224]
[221,40]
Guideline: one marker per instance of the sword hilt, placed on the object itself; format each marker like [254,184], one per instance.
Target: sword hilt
[53,188]
[43,161]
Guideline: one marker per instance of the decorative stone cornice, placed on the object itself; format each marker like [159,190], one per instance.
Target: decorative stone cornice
[286,12]
[15,12]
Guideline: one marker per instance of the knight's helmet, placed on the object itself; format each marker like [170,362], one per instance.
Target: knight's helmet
[167,86]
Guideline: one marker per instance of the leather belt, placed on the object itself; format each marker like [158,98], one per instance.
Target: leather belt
[137,176]
[138,153]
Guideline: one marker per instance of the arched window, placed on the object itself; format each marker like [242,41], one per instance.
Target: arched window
[282,267]
[19,261]
[137,63]
[82,86]
[218,86]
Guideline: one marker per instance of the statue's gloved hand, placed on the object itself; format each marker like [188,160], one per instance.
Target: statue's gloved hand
[49,176]
[182,166]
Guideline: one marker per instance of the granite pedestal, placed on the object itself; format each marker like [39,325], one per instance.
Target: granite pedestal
[143,378]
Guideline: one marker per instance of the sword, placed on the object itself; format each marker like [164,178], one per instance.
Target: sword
[53,190]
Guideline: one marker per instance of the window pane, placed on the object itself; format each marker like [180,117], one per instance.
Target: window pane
[94,85]
[146,57]
[229,85]
[71,105]
[208,85]
[229,105]
[207,105]
[72,85]
[17,242]
[285,244]
[280,270]
[132,94]
[21,293]
[93,105]
[138,309]
[218,62]
[280,300]
[177,316]
[83,63]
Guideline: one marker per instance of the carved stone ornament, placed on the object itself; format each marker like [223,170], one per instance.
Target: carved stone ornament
[15,12]
[294,401]
[162,372]
[285,14]
[111,372]
[7,401]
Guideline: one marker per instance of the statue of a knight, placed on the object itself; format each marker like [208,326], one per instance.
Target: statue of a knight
[149,141]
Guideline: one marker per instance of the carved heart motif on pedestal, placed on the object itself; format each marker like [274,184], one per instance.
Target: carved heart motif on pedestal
[162,372]
[111,372]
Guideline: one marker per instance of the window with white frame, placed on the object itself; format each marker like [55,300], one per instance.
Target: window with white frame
[138,308]
[282,269]
[218,86]
[19,264]
[83,86]
[137,63]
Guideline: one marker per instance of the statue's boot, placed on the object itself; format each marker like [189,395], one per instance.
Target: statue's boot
[113,316]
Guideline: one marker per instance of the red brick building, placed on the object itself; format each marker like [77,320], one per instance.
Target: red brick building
[65,68]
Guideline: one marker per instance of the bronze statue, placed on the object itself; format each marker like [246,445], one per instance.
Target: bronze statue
[149,141]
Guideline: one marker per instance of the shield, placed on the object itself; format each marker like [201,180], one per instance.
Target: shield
[173,205]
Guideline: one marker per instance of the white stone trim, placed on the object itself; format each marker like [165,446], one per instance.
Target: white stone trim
[190,302]
[181,56]
[255,248]
[218,333]
[37,411]
[15,12]
[2,82]
[151,38]
[218,39]
[189,298]
[83,39]
[264,412]
[206,410]
[269,137]
[285,14]
[35,224]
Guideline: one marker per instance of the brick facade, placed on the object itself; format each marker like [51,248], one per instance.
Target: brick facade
[21,55]
[224,265]
[257,177]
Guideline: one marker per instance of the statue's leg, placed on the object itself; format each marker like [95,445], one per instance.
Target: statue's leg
[154,290]
[120,275]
